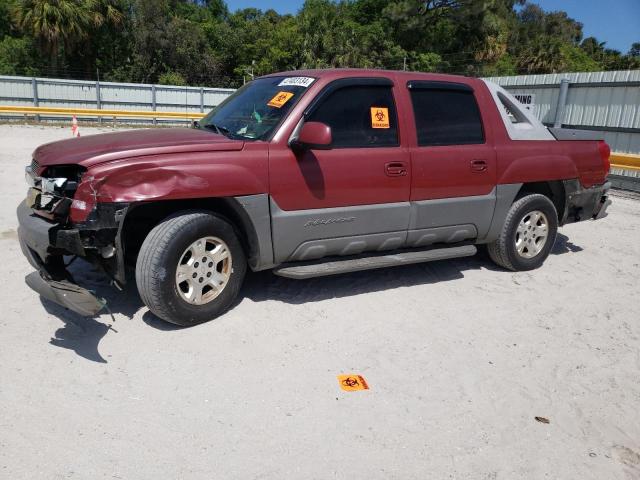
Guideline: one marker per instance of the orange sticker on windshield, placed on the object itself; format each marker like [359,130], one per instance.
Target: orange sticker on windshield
[280,99]
[379,117]
[351,383]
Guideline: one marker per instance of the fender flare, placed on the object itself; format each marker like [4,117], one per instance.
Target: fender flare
[249,215]
[505,196]
[253,216]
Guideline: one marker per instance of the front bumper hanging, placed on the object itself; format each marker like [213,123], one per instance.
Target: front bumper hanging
[65,293]
[39,241]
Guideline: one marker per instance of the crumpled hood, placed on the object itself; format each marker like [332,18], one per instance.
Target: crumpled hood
[107,147]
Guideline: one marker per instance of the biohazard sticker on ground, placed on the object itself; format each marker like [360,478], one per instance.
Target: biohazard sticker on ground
[379,117]
[351,383]
[280,99]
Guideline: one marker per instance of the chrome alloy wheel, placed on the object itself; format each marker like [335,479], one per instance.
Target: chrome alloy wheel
[203,270]
[532,234]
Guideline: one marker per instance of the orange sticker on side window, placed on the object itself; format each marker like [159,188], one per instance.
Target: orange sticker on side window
[351,383]
[379,117]
[280,99]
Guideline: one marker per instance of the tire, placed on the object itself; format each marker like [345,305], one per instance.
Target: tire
[519,251]
[169,276]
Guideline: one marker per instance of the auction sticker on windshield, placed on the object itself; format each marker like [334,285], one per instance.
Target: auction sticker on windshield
[280,99]
[297,82]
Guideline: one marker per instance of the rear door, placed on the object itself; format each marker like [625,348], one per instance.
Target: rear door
[353,197]
[453,165]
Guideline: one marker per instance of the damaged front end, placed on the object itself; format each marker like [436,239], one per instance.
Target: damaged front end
[56,220]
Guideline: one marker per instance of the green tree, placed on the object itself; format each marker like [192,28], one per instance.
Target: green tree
[7,10]
[577,60]
[108,44]
[202,42]
[424,62]
[149,26]
[18,57]
[417,24]
[333,37]
[187,53]
[542,55]
[55,23]
[503,66]
[171,78]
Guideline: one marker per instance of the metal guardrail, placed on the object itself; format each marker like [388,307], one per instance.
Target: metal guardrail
[625,161]
[52,93]
[625,172]
[96,113]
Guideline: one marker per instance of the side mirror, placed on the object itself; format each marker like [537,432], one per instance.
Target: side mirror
[313,136]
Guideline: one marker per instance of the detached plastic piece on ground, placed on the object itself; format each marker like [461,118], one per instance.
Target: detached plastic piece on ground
[66,294]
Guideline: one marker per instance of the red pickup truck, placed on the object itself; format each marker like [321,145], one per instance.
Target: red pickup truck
[307,173]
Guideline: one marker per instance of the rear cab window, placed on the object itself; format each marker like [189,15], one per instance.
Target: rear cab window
[445,113]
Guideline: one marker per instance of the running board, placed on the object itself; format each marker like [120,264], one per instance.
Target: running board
[309,270]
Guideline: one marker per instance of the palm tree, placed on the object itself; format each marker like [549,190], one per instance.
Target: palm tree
[66,22]
[56,22]
[103,12]
[107,19]
[542,55]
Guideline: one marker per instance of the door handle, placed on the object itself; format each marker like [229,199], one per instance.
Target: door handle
[395,169]
[479,166]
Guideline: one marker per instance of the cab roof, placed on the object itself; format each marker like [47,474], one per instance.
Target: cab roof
[337,73]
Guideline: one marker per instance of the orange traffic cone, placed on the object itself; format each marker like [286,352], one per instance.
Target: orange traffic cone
[75,130]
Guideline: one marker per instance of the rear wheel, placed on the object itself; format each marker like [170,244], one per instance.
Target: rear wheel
[528,234]
[190,268]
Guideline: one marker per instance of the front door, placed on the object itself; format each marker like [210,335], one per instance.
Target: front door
[453,165]
[353,197]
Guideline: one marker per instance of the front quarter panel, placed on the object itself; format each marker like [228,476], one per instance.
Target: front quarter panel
[181,176]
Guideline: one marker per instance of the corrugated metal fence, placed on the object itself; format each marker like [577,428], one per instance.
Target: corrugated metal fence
[48,92]
[603,101]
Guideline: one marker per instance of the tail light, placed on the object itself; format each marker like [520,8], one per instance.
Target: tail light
[605,152]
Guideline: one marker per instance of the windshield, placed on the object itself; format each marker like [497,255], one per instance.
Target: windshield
[254,110]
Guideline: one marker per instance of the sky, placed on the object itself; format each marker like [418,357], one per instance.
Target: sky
[616,22]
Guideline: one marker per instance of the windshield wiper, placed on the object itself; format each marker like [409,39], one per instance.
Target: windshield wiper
[219,129]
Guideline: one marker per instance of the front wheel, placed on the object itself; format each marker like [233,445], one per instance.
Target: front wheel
[190,268]
[528,234]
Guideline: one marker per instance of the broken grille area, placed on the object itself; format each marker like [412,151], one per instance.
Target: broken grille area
[53,192]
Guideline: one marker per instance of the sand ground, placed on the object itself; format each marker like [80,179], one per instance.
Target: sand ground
[460,357]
